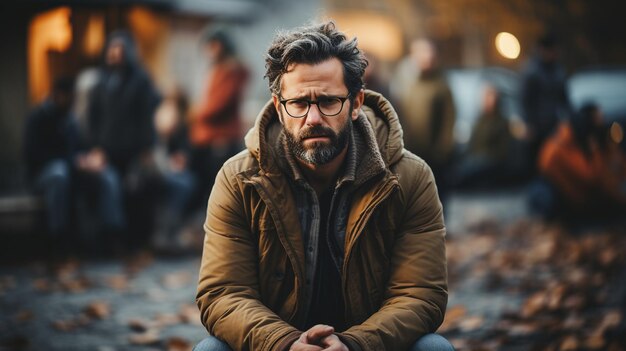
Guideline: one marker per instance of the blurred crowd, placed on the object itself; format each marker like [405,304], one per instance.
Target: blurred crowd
[122,166]
[572,161]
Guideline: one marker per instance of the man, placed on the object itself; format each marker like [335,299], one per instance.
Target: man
[543,94]
[50,145]
[324,234]
[121,138]
[428,113]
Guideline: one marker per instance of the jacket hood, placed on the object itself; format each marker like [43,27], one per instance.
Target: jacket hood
[130,55]
[377,120]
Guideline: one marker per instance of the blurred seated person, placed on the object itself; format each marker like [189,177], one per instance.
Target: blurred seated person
[50,145]
[172,159]
[486,160]
[583,171]
[121,135]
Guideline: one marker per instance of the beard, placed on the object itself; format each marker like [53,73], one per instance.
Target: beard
[318,153]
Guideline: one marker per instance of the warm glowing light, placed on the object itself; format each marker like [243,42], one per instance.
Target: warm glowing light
[617,133]
[508,45]
[49,31]
[93,41]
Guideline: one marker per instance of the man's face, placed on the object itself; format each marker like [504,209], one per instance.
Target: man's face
[315,138]
[115,54]
[213,50]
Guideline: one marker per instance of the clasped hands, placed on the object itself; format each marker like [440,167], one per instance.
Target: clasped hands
[319,338]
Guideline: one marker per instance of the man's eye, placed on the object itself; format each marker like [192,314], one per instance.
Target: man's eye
[326,102]
[297,103]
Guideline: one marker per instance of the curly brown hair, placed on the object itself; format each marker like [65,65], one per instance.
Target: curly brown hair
[311,45]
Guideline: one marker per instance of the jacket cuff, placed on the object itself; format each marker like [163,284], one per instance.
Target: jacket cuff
[287,341]
[349,342]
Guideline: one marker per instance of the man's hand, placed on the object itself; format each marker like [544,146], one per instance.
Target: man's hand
[94,161]
[319,338]
[332,343]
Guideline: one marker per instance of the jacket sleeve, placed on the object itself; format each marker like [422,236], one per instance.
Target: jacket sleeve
[228,290]
[416,295]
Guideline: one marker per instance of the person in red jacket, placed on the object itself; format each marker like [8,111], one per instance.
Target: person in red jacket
[215,130]
[584,170]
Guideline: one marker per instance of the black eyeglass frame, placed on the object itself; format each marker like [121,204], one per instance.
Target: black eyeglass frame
[313,102]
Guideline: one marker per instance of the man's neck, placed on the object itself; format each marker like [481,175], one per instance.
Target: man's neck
[321,177]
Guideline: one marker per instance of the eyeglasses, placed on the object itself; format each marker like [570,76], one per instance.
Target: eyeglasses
[327,105]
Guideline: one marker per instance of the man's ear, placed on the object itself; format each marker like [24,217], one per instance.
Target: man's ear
[356,104]
[277,108]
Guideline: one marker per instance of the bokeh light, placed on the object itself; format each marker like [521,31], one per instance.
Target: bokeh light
[508,45]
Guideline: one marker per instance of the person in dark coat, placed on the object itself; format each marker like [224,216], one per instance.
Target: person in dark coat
[544,94]
[50,145]
[121,132]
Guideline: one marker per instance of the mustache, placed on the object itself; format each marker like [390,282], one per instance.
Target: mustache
[316,131]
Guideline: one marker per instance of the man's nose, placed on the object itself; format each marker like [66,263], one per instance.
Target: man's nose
[314,116]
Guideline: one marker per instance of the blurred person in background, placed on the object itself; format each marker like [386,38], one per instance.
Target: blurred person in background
[216,123]
[325,234]
[486,161]
[373,78]
[544,98]
[428,113]
[172,159]
[50,147]
[121,136]
[584,172]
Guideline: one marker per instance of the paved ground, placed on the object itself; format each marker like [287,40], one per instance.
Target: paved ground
[504,271]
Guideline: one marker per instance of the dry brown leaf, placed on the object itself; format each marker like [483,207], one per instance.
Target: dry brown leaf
[555,297]
[166,319]
[149,337]
[178,344]
[75,285]
[573,322]
[65,325]
[608,256]
[522,329]
[610,320]
[459,343]
[570,343]
[67,269]
[574,302]
[176,280]
[117,282]
[189,314]
[138,262]
[24,316]
[42,285]
[453,316]
[542,251]
[595,342]
[471,323]
[98,309]
[534,304]
[139,325]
